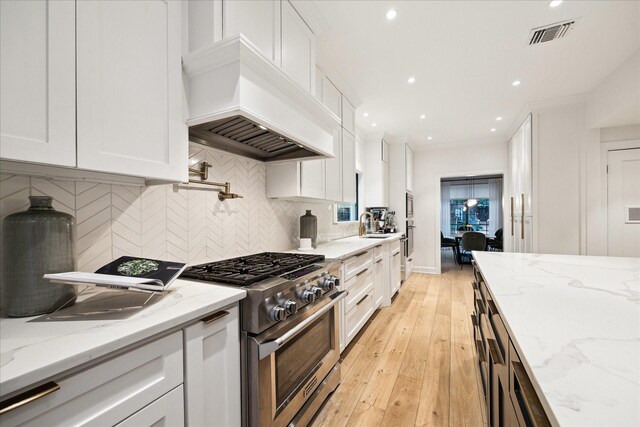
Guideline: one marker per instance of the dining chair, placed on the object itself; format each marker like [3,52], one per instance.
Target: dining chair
[471,241]
[496,243]
[447,242]
[465,228]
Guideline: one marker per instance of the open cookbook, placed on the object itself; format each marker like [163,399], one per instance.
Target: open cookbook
[126,273]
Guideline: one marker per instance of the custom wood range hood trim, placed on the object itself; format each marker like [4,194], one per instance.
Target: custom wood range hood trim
[231,82]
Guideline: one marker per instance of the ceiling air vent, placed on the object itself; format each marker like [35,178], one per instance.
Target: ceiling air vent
[551,32]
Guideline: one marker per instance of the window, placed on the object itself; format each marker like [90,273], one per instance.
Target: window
[476,216]
[346,212]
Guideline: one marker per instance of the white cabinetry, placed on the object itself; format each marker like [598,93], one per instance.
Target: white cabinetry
[348,167]
[380,279]
[376,192]
[395,274]
[109,392]
[298,48]
[328,93]
[296,180]
[333,171]
[37,81]
[212,370]
[129,98]
[348,116]
[357,276]
[166,411]
[256,19]
[520,190]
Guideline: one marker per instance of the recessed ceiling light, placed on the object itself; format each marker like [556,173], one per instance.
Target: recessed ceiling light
[493,129]
[262,127]
[516,83]
[498,118]
[374,125]
[555,3]
[366,114]
[424,116]
[429,138]
[391,14]
[411,80]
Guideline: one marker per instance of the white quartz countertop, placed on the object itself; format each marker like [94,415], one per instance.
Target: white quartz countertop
[33,350]
[344,248]
[575,322]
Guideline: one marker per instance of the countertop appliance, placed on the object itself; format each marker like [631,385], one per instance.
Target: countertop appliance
[289,332]
[384,220]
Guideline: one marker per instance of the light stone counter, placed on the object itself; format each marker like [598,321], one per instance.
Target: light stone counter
[32,350]
[348,246]
[575,322]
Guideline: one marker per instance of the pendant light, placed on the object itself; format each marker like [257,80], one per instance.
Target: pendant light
[472,201]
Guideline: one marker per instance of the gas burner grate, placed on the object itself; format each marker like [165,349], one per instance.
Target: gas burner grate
[246,270]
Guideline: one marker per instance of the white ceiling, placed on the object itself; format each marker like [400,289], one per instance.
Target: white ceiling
[464,56]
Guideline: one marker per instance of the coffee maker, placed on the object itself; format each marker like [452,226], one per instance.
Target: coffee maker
[384,220]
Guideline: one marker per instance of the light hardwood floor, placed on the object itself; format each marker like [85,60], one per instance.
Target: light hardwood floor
[413,363]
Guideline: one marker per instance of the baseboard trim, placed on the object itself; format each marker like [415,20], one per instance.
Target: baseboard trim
[425,270]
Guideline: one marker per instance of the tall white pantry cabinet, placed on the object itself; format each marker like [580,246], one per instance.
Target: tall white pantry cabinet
[95,85]
[518,203]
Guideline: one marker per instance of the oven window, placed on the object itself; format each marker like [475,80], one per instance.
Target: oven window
[299,356]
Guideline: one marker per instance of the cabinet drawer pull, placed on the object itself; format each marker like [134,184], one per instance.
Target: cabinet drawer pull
[360,254]
[493,310]
[397,253]
[495,351]
[378,246]
[379,261]
[28,396]
[526,397]
[215,316]
[362,299]
[362,272]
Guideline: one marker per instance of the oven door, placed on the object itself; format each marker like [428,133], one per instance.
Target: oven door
[286,365]
[409,243]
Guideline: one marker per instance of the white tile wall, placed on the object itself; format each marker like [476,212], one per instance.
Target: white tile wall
[172,222]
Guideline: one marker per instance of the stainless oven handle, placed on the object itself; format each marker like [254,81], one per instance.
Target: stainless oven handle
[270,346]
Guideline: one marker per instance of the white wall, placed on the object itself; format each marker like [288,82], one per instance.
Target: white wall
[429,167]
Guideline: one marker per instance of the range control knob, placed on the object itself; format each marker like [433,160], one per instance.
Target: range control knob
[308,296]
[329,283]
[291,306]
[316,291]
[278,313]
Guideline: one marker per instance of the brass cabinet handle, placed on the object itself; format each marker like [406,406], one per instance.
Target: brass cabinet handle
[379,261]
[360,254]
[512,213]
[522,218]
[526,397]
[495,351]
[362,299]
[28,396]
[215,316]
[362,272]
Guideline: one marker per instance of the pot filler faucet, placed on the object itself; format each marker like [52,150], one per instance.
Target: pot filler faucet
[203,171]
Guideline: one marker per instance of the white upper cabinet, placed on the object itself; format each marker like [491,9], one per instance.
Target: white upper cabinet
[348,167]
[129,83]
[376,192]
[333,169]
[37,75]
[348,116]
[331,96]
[312,179]
[409,164]
[298,48]
[256,19]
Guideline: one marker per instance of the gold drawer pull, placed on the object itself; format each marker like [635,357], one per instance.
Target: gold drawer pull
[527,396]
[215,316]
[28,396]
[362,272]
[495,351]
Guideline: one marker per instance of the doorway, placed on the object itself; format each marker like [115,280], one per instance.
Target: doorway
[623,203]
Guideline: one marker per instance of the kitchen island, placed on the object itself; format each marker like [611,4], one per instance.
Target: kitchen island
[573,325]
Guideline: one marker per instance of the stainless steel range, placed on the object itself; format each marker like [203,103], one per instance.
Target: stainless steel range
[290,328]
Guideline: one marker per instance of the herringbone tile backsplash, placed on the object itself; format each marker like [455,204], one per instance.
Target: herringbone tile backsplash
[171,222]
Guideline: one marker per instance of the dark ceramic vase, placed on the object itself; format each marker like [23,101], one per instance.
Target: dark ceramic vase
[35,242]
[309,228]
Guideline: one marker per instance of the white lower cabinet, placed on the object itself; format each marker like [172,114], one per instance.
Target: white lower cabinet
[107,393]
[166,411]
[357,276]
[395,266]
[212,370]
[378,282]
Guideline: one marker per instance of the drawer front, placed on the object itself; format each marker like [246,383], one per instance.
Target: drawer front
[166,411]
[394,247]
[528,409]
[498,330]
[109,392]
[358,316]
[377,252]
[358,286]
[356,263]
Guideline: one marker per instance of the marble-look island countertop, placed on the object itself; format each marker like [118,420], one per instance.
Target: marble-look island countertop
[348,246]
[33,349]
[575,322]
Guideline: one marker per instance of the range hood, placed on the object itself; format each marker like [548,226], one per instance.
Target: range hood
[241,102]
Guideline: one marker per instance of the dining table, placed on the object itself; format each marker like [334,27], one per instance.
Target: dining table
[458,238]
